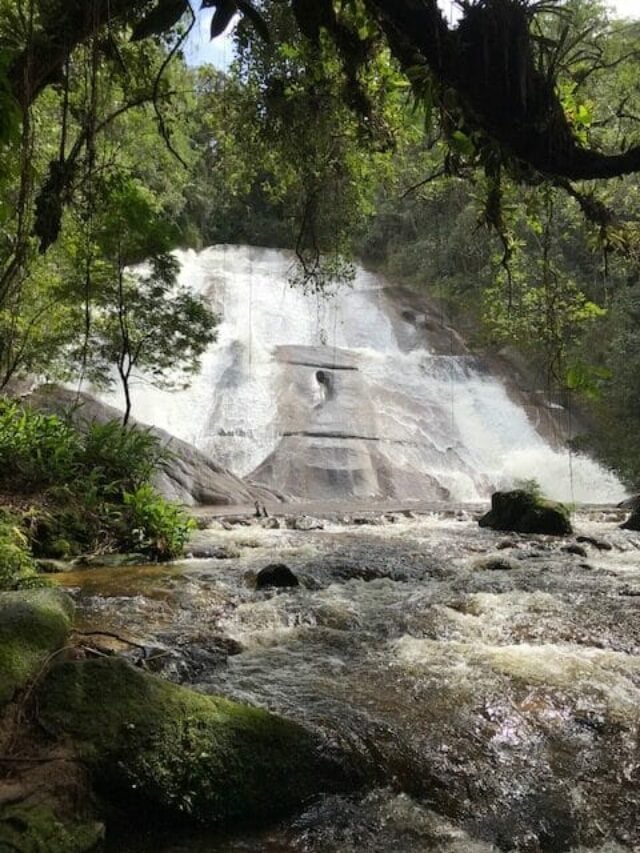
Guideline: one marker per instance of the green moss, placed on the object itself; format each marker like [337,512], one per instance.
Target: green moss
[179,751]
[36,829]
[33,625]
[523,511]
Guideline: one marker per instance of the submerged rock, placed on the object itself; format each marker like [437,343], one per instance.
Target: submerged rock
[304,523]
[522,512]
[600,544]
[206,758]
[33,625]
[495,563]
[277,575]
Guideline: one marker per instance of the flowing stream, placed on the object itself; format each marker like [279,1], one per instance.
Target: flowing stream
[495,705]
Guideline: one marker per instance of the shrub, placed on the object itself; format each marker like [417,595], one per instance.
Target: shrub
[156,527]
[120,459]
[92,488]
[36,450]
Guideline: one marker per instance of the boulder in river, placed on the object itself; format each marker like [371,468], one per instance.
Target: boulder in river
[278,575]
[151,744]
[521,511]
[33,625]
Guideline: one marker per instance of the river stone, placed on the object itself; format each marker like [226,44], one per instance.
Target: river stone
[277,575]
[575,549]
[522,512]
[33,625]
[153,744]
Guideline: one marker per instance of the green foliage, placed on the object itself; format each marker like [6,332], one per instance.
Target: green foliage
[157,527]
[119,459]
[17,568]
[36,450]
[91,491]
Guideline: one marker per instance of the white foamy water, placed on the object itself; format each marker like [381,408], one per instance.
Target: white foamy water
[325,397]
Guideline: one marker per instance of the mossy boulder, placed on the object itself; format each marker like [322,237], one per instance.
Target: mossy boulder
[36,829]
[33,625]
[156,746]
[524,512]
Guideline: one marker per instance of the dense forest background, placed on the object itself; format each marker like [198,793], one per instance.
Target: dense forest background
[130,153]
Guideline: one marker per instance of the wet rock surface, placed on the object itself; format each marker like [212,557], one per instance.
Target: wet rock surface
[523,512]
[276,575]
[493,709]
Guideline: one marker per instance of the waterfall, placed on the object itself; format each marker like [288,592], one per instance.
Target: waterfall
[348,396]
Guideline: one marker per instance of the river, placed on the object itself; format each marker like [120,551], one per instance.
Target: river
[488,684]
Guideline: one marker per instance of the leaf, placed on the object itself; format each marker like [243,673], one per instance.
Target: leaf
[256,19]
[225,10]
[159,20]
[462,143]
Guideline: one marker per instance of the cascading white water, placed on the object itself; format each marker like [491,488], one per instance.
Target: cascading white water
[341,397]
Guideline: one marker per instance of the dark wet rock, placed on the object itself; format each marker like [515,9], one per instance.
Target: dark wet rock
[577,550]
[213,552]
[304,523]
[237,521]
[523,512]
[276,575]
[600,544]
[270,523]
[190,660]
[633,522]
[504,544]
[153,744]
[364,520]
[33,625]
[495,563]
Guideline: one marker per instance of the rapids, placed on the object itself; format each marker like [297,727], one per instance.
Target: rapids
[354,395]
[489,708]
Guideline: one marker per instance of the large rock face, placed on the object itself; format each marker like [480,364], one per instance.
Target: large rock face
[188,476]
[364,393]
